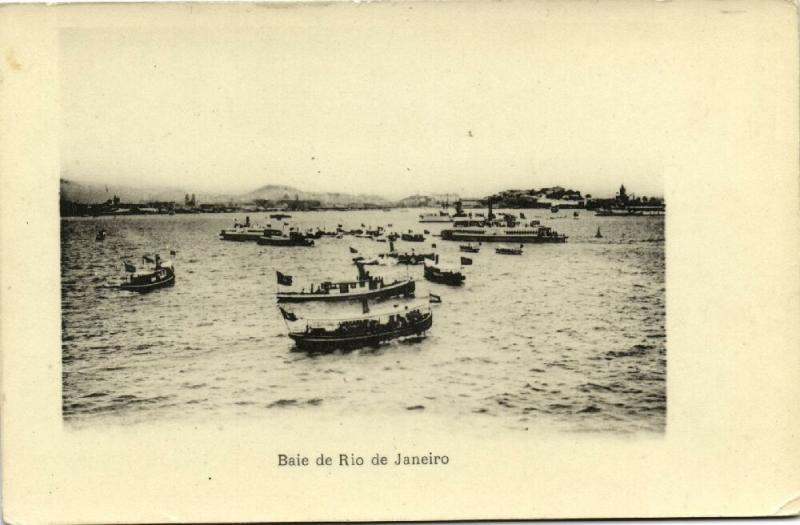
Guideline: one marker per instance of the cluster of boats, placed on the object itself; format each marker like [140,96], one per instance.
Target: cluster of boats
[401,320]
[351,332]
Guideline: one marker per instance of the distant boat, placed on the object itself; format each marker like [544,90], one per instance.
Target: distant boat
[412,237]
[293,239]
[508,251]
[554,208]
[244,234]
[326,335]
[159,275]
[598,235]
[437,274]
[280,216]
[575,214]
[101,235]
[442,216]
[469,248]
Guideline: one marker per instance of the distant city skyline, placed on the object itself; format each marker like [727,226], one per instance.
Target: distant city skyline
[393,106]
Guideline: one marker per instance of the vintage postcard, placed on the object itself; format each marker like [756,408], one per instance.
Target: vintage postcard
[456,260]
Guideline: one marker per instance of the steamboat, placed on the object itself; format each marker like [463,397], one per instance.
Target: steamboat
[366,287]
[327,335]
[159,275]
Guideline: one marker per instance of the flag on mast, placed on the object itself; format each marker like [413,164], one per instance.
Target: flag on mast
[289,316]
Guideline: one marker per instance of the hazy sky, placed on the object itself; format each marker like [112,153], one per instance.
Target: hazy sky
[379,99]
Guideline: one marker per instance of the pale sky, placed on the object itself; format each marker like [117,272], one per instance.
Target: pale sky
[378,99]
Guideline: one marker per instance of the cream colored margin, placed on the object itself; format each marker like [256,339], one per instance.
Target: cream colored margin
[732,445]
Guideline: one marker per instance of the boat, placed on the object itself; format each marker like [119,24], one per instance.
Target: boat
[327,335]
[366,287]
[280,216]
[438,274]
[293,239]
[509,251]
[554,208]
[101,235]
[411,258]
[534,234]
[441,216]
[469,248]
[412,237]
[598,235]
[243,234]
[158,274]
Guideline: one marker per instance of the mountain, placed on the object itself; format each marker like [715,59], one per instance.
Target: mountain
[94,193]
[272,192]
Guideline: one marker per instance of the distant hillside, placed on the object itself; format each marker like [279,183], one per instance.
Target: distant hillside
[93,193]
[274,193]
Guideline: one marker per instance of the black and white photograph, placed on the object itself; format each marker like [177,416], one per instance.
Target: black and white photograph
[269,221]
[398,261]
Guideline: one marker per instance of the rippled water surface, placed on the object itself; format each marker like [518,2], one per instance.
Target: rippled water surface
[567,336]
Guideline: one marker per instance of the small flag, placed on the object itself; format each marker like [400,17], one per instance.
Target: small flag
[284,280]
[289,316]
[353,250]
[426,232]
[429,256]
[148,259]
[129,267]
[466,261]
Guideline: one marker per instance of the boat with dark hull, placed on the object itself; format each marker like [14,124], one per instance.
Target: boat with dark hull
[293,239]
[160,275]
[509,251]
[368,330]
[468,248]
[412,237]
[437,274]
[366,287]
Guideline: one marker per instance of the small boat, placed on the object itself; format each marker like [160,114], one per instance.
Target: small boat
[280,216]
[101,235]
[411,258]
[437,274]
[327,335]
[293,239]
[366,287]
[554,208]
[412,237]
[159,275]
[509,251]
[469,248]
[575,214]
[598,235]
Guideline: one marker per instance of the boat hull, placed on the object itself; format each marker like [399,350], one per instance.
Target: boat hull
[449,235]
[277,241]
[405,288]
[148,287]
[449,278]
[329,343]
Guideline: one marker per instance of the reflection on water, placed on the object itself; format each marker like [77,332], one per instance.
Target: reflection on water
[569,336]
